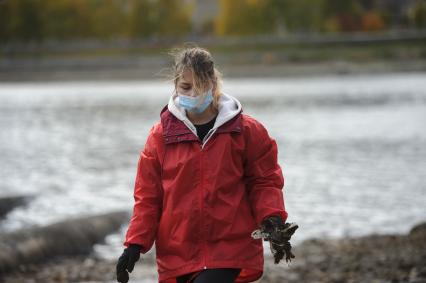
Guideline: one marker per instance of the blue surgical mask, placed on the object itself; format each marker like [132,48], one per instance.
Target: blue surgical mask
[192,103]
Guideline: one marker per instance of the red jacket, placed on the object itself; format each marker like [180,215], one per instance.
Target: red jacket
[200,201]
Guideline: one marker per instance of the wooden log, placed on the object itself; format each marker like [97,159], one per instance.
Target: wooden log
[65,238]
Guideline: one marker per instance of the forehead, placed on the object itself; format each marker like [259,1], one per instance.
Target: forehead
[186,76]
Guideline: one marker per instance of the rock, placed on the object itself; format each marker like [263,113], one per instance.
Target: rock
[9,203]
[76,236]
[418,229]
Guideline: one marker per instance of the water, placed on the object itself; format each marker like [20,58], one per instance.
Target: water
[352,148]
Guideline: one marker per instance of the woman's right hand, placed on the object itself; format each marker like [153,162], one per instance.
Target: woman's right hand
[126,262]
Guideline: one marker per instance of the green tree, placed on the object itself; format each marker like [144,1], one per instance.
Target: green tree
[417,14]
[5,19]
[298,15]
[243,17]
[142,18]
[23,20]
[66,19]
[174,17]
[345,15]
[159,17]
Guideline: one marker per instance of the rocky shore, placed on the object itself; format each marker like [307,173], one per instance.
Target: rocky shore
[374,258]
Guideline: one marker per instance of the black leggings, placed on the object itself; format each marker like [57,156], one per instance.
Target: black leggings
[215,275]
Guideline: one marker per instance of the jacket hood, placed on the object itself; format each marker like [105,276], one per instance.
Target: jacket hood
[228,107]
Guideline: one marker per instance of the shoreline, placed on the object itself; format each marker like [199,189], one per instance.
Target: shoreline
[123,69]
[248,56]
[373,258]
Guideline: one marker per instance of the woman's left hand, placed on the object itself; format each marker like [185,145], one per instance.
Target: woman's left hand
[278,234]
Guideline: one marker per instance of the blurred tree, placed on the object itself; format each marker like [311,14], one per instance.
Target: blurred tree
[159,17]
[173,17]
[107,17]
[23,20]
[256,16]
[417,14]
[244,17]
[38,19]
[298,15]
[142,18]
[42,19]
[66,19]
[226,22]
[5,21]
[372,21]
[343,15]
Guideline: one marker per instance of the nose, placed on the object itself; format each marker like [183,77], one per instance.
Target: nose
[194,93]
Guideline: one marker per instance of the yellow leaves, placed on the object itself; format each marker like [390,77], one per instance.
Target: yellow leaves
[253,2]
[372,21]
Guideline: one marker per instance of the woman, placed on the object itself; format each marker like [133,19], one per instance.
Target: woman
[207,177]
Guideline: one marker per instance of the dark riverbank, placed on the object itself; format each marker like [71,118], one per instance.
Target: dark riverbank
[256,56]
[135,68]
[374,258]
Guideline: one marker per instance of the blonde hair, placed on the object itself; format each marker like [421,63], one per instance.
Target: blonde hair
[200,62]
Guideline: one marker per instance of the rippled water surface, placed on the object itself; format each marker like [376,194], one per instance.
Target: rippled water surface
[352,148]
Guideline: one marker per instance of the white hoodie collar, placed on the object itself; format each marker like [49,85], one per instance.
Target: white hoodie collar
[228,107]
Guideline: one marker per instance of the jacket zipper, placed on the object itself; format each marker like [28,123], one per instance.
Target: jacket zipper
[209,135]
[201,202]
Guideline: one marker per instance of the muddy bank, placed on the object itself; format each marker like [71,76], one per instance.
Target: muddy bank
[374,258]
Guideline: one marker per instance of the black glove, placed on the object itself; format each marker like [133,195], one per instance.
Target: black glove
[278,234]
[126,262]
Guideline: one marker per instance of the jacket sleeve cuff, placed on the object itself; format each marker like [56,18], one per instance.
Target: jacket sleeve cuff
[143,245]
[282,214]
